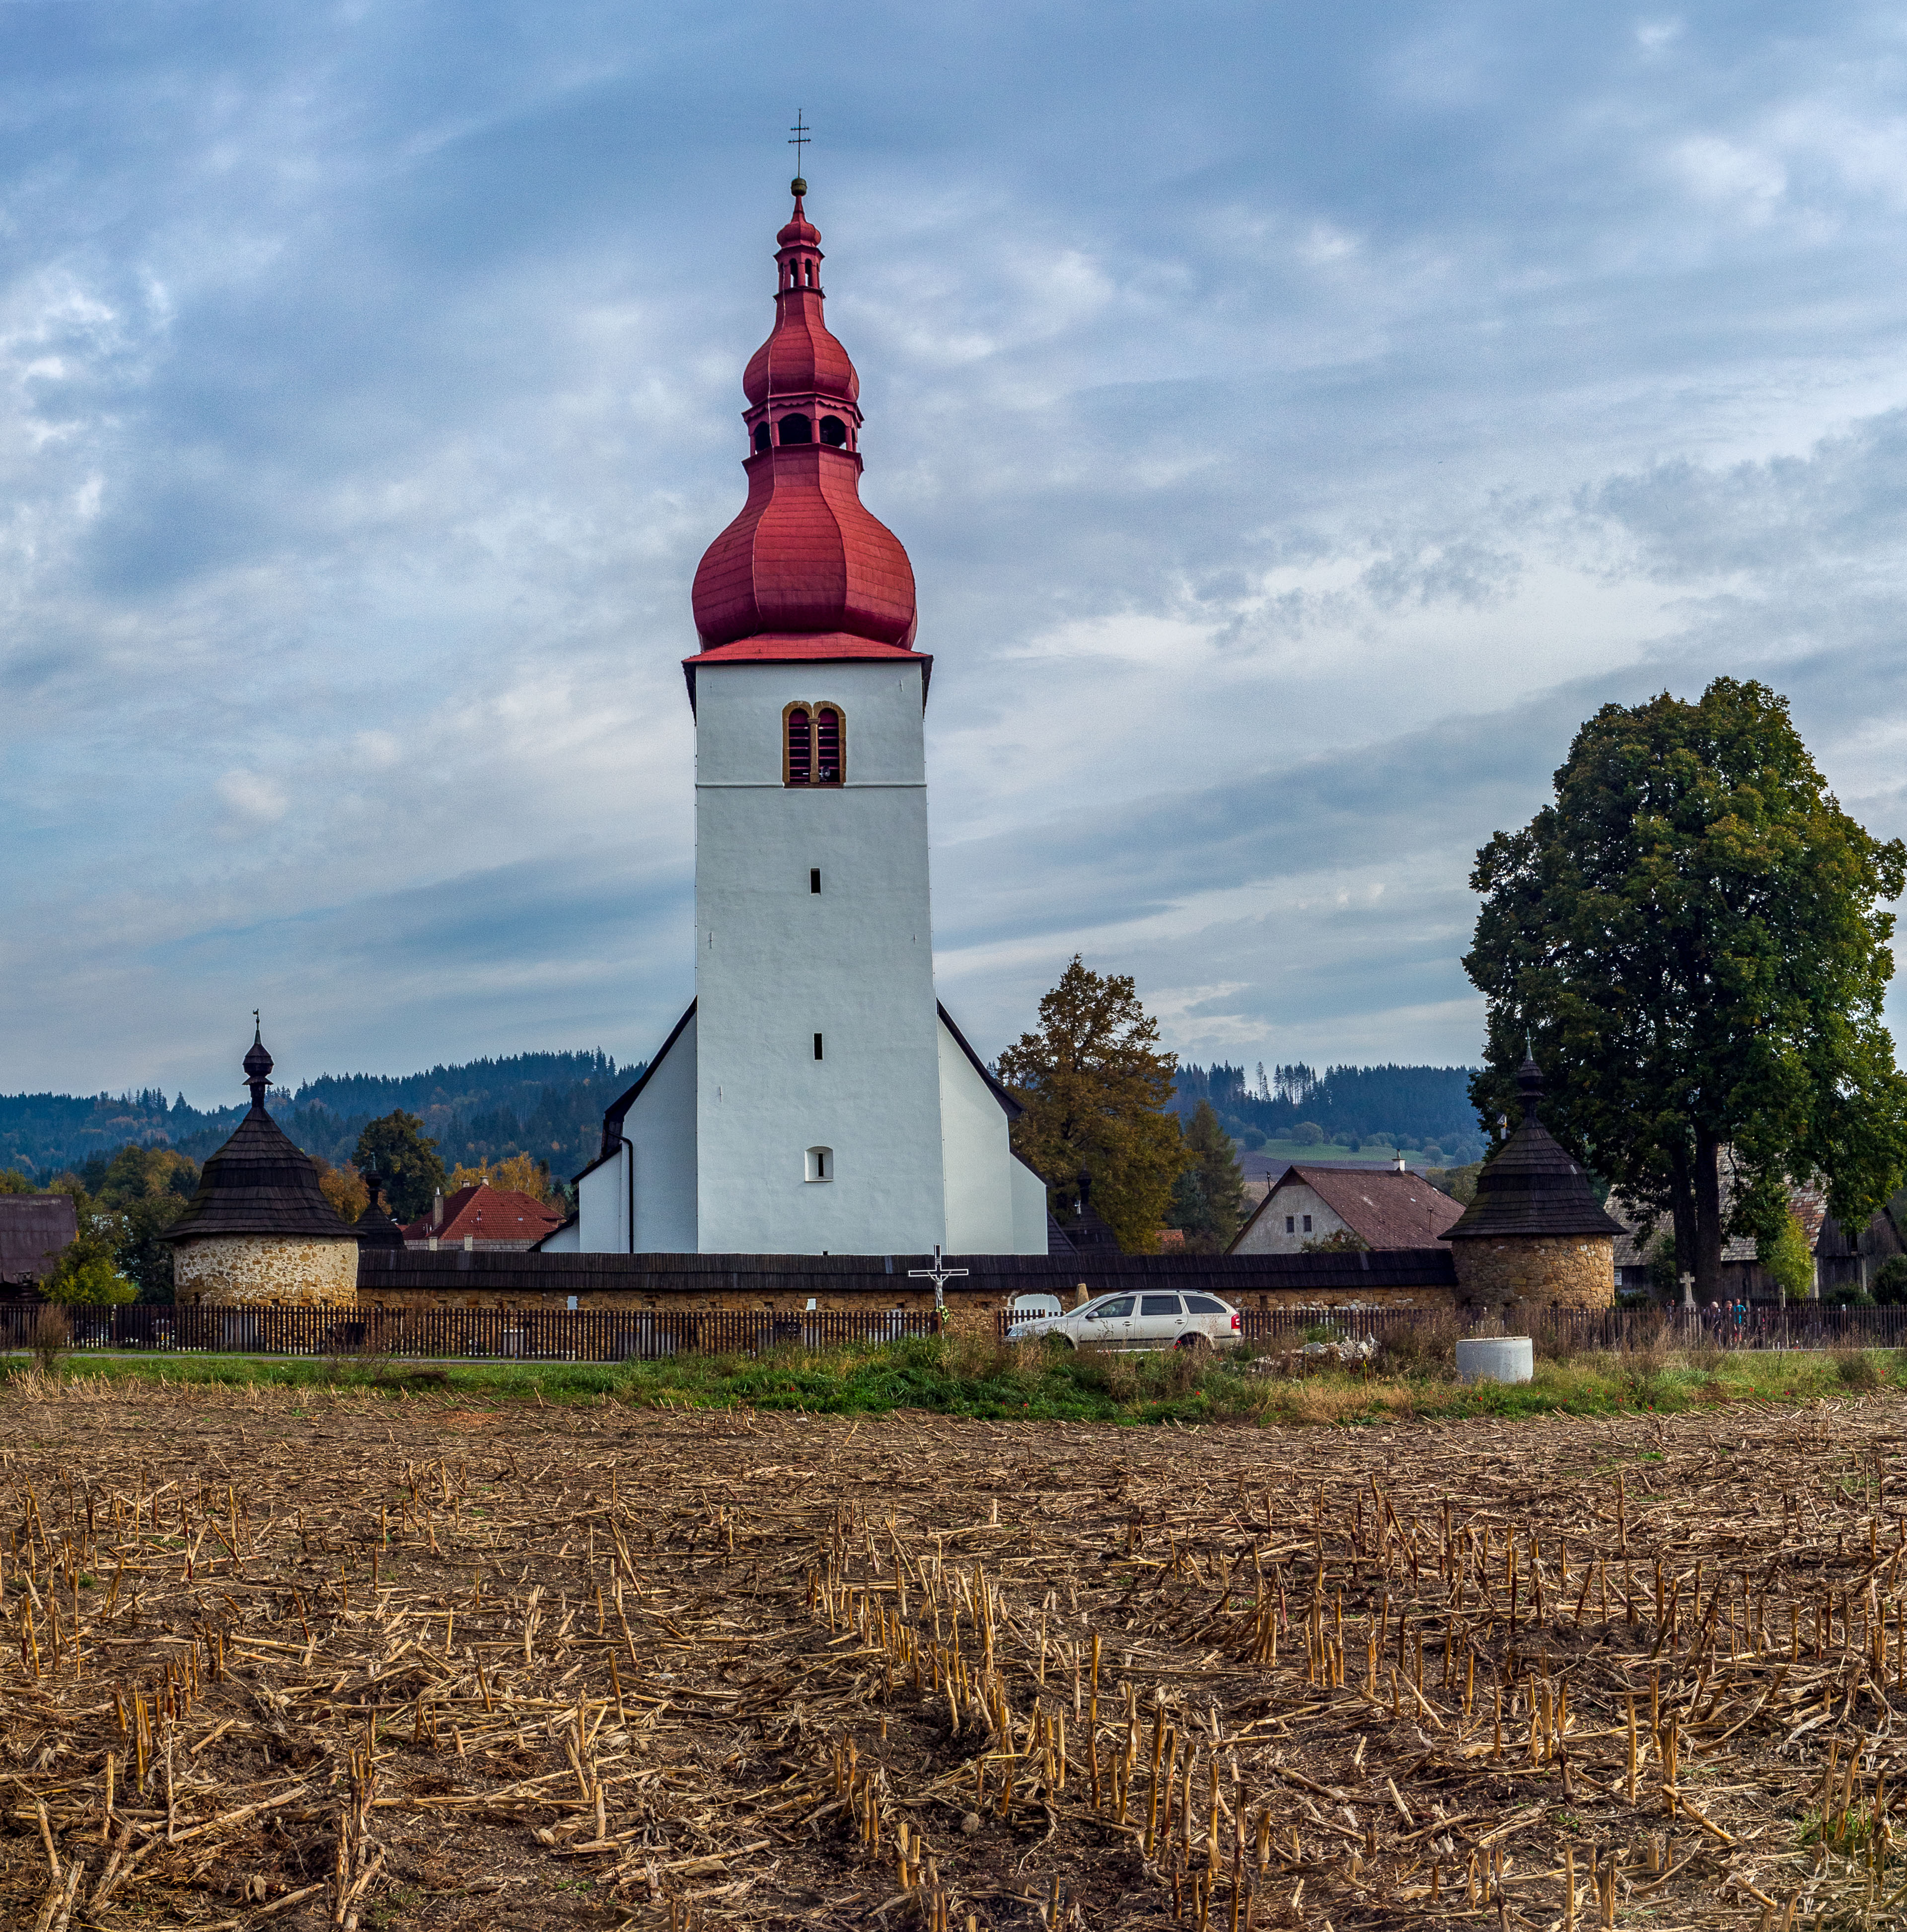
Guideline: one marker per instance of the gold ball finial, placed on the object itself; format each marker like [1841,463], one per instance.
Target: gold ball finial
[797,186]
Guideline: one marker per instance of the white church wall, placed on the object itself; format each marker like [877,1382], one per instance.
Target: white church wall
[976,1158]
[777,963]
[660,1125]
[602,1207]
[1029,1210]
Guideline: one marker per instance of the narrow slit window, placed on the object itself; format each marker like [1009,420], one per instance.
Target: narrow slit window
[814,878]
[798,757]
[820,1167]
[828,746]
[817,1046]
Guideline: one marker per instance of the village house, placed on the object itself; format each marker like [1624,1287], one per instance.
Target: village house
[1376,1207]
[483,1217]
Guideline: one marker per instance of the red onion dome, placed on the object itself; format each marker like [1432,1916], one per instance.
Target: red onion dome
[804,557]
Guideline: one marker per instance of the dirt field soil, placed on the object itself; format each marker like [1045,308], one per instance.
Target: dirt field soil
[293,1659]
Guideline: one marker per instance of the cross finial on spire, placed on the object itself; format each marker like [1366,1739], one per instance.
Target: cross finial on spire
[799,137]
[257,1066]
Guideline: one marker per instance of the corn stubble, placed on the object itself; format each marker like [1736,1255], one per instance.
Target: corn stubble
[335,1660]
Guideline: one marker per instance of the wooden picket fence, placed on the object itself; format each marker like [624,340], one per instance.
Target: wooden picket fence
[478,1334]
[616,1335]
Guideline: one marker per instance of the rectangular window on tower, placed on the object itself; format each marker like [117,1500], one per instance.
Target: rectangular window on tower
[817,1046]
[814,878]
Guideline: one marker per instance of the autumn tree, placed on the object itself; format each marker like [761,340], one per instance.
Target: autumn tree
[343,1187]
[406,1161]
[1692,938]
[1097,1088]
[88,1272]
[520,1174]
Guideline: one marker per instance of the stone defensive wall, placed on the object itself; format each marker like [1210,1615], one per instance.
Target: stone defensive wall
[793,1284]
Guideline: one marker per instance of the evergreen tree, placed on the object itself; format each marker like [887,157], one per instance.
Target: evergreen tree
[1097,1090]
[1220,1181]
[405,1160]
[1692,938]
[1190,1213]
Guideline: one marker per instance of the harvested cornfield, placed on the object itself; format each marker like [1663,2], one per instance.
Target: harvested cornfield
[287,1659]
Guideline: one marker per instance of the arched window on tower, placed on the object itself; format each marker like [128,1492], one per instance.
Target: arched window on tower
[833,432]
[764,436]
[798,746]
[797,429]
[828,746]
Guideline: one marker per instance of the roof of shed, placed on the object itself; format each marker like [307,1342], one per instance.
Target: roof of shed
[34,1227]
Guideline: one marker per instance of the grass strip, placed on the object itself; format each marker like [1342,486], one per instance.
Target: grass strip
[964,1376]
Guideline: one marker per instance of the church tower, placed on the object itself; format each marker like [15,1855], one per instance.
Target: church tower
[814,1098]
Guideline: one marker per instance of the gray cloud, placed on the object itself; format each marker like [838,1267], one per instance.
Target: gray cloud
[1298,422]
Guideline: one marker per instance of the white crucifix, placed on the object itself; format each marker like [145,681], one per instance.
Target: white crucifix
[940,1274]
[1688,1290]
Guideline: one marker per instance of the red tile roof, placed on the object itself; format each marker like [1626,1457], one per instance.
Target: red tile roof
[1385,1209]
[488,1214]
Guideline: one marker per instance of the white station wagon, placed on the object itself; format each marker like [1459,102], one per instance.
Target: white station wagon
[1148,1319]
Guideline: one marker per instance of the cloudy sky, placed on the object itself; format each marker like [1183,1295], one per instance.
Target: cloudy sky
[1300,419]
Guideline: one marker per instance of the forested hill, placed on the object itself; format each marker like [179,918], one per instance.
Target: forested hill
[549,1105]
[1414,1106]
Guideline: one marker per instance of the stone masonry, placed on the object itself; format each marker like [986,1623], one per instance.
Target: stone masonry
[1556,1271]
[266,1271]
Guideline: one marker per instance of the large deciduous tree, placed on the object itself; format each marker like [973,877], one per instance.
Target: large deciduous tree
[405,1160]
[1096,1088]
[1692,938]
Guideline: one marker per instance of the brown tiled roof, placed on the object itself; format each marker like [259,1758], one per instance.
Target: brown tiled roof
[34,1227]
[1384,1208]
[487,1213]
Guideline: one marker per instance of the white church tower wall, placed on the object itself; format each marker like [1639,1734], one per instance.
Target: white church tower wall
[818,1115]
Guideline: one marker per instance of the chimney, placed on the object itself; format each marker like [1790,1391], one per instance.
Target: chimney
[436,1209]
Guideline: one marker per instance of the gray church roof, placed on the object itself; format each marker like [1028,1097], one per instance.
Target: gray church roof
[1531,1186]
[259,1183]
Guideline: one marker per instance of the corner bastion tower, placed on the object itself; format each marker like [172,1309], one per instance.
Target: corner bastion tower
[815,1098]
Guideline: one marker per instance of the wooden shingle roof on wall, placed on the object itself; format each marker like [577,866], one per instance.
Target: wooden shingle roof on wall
[460,1271]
